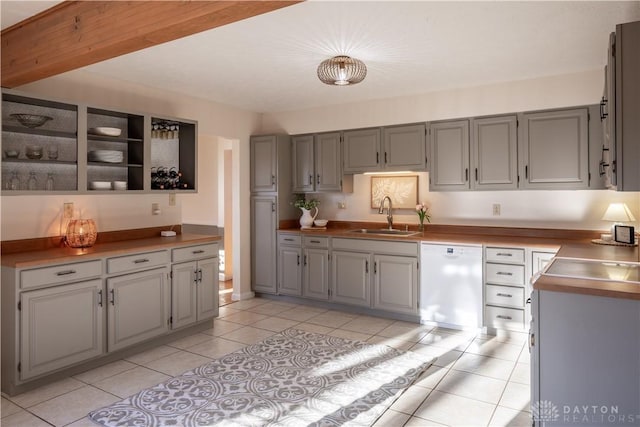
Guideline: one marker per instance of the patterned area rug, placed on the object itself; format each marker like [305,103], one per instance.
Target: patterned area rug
[293,378]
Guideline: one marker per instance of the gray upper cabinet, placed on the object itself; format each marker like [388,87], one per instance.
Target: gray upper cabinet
[317,162]
[328,160]
[449,153]
[263,163]
[404,147]
[302,166]
[494,149]
[361,150]
[554,147]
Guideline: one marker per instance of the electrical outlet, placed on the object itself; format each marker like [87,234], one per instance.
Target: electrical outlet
[155,209]
[496,209]
[67,210]
[342,205]
[172,199]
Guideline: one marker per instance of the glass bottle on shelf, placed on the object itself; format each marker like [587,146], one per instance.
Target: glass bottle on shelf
[14,181]
[49,184]
[32,183]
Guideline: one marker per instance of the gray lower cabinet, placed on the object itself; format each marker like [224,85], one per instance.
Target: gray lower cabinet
[60,326]
[315,270]
[290,270]
[585,359]
[494,153]
[350,278]
[194,284]
[395,283]
[554,147]
[139,307]
[263,243]
[449,155]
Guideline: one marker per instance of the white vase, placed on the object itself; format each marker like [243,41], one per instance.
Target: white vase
[306,220]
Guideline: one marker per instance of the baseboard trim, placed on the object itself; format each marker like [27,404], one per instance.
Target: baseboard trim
[241,296]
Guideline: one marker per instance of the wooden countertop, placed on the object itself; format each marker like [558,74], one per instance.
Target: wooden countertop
[100,250]
[603,288]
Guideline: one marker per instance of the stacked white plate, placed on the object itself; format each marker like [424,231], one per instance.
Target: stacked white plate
[105,131]
[100,185]
[106,156]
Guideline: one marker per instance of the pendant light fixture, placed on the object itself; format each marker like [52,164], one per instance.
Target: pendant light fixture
[342,71]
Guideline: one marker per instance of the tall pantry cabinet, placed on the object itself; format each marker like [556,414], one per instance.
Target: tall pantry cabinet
[270,204]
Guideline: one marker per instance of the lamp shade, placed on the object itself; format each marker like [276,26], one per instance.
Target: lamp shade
[342,71]
[618,212]
[81,233]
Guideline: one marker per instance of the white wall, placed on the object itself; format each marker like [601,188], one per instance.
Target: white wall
[546,209]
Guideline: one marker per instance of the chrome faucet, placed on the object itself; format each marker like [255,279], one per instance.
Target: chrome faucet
[389,207]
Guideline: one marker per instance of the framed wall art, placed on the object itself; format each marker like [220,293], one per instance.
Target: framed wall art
[402,189]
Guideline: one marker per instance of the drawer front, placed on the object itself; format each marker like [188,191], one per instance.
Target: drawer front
[504,295]
[387,247]
[65,273]
[504,318]
[504,274]
[195,252]
[508,255]
[289,239]
[316,242]
[137,261]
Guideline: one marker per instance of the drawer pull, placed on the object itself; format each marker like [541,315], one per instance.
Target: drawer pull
[199,251]
[65,272]
[500,294]
[500,316]
[314,241]
[288,240]
[504,254]
[141,261]
[504,273]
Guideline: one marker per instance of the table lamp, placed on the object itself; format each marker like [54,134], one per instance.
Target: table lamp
[81,233]
[618,213]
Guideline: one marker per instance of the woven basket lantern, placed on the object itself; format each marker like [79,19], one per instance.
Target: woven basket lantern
[81,233]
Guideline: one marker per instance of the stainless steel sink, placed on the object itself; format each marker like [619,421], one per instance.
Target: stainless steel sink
[384,232]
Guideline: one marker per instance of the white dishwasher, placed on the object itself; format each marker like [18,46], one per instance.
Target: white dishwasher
[451,285]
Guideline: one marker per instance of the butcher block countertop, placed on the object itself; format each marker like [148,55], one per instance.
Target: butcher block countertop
[101,250]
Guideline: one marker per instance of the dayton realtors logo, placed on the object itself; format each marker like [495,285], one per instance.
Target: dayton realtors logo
[546,411]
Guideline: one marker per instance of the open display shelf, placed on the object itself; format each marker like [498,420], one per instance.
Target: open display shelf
[173,154]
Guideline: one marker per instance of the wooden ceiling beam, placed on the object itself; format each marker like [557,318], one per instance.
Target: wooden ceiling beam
[74,34]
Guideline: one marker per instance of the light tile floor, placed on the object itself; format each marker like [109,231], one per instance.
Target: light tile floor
[476,380]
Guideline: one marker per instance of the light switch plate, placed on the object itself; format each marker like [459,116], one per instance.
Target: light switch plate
[67,210]
[172,199]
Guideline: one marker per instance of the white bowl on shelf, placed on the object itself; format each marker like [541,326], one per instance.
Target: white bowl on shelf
[100,185]
[320,222]
[119,185]
[105,156]
[105,131]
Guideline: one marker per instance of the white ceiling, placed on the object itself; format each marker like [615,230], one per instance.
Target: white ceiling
[268,63]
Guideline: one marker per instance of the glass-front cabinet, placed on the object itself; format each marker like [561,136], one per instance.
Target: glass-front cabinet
[57,147]
[39,145]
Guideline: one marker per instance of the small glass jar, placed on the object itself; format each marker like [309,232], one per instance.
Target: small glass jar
[49,184]
[32,183]
[14,181]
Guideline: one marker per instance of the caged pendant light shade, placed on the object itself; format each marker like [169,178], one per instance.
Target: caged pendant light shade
[342,71]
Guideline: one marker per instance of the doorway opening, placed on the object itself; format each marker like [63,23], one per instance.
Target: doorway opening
[225,212]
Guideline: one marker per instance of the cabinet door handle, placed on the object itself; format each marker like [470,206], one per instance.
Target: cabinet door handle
[65,272]
[199,251]
[385,157]
[504,273]
[273,207]
[375,268]
[298,259]
[195,276]
[273,179]
[318,179]
[200,275]
[526,171]
[532,341]
[528,301]
[603,114]
[476,174]
[305,260]
[500,316]
[100,297]
[466,174]
[377,157]
[504,254]
[141,261]
[366,266]
[310,179]
[113,296]
[500,294]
